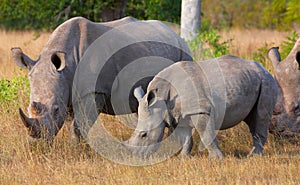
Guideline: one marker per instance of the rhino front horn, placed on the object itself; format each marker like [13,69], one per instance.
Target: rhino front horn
[28,122]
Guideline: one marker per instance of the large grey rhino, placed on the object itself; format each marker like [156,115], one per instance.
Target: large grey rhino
[210,95]
[286,118]
[51,75]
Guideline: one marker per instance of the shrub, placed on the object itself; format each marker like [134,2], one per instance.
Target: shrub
[207,44]
[288,45]
[11,92]
[261,55]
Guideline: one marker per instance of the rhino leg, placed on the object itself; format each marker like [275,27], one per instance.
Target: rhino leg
[77,132]
[258,123]
[259,131]
[87,113]
[205,126]
[186,141]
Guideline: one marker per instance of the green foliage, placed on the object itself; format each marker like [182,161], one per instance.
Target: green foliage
[35,14]
[208,44]
[11,91]
[166,10]
[274,14]
[261,56]
[28,14]
[288,45]
[285,48]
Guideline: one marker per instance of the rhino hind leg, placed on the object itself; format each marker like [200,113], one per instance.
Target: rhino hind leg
[258,122]
[205,126]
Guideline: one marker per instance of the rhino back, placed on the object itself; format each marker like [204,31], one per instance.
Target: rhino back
[231,90]
[76,35]
[129,42]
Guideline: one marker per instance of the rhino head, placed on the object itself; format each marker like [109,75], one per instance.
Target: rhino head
[49,93]
[152,118]
[286,115]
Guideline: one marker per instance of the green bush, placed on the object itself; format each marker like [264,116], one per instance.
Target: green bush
[37,15]
[208,44]
[261,55]
[11,92]
[288,45]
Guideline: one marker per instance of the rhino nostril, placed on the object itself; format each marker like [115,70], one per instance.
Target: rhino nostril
[36,107]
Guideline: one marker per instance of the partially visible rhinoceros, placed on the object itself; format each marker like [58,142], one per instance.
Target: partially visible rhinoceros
[286,118]
[51,75]
[210,95]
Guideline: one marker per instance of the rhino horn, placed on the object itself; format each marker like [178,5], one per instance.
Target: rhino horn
[28,122]
[294,54]
[274,56]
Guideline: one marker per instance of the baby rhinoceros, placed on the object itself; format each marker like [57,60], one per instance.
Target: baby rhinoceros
[208,96]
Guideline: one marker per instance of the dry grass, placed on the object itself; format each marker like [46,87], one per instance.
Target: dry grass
[30,42]
[246,42]
[66,163]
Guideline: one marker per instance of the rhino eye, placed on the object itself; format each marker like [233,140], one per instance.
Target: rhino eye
[55,109]
[296,108]
[143,134]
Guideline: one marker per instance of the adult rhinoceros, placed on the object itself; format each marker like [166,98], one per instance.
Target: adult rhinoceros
[286,118]
[208,96]
[51,75]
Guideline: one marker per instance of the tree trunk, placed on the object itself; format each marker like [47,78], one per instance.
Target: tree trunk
[122,8]
[190,18]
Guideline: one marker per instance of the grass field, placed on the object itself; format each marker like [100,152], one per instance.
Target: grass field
[68,163]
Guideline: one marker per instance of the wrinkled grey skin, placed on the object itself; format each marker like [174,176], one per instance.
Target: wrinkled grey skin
[250,96]
[51,75]
[286,118]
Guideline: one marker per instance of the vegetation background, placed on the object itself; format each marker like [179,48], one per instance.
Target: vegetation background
[217,14]
[239,27]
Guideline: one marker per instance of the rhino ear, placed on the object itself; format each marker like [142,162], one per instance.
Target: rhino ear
[274,56]
[59,60]
[298,59]
[139,93]
[21,59]
[151,96]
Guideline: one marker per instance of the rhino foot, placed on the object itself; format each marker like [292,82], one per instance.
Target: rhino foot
[216,154]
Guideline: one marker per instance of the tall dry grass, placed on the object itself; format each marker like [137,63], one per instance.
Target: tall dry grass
[68,163]
[30,42]
[246,42]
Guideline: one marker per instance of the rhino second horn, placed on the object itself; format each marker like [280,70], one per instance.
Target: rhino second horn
[28,122]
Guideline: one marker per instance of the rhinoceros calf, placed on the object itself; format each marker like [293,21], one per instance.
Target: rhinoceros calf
[123,42]
[210,95]
[286,118]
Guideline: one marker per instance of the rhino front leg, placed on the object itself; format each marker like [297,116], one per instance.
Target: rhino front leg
[184,134]
[87,111]
[205,126]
